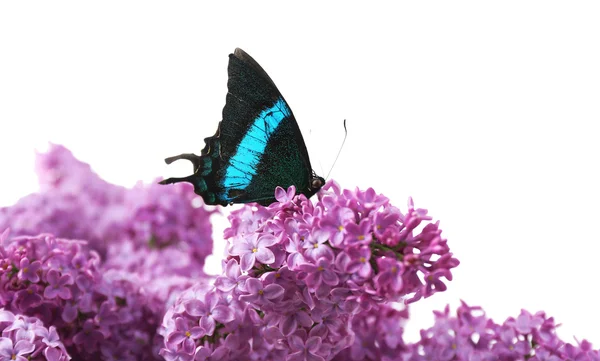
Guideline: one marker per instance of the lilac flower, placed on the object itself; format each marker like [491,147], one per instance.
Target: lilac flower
[285,196]
[315,247]
[24,328]
[292,320]
[175,355]
[258,294]
[336,222]
[210,312]
[305,351]
[29,271]
[254,248]
[29,297]
[321,272]
[82,301]
[49,337]
[76,203]
[231,278]
[389,277]
[377,335]
[525,323]
[89,337]
[24,338]
[356,261]
[185,334]
[359,234]
[17,351]
[58,285]
[471,335]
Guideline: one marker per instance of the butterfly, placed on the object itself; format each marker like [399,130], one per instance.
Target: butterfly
[257,147]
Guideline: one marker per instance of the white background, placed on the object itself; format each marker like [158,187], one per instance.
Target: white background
[485,113]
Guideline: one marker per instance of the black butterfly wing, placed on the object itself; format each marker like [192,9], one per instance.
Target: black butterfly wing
[261,143]
[257,147]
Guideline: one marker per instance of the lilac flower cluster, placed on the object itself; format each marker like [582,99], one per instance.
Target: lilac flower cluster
[302,280]
[470,335]
[298,272]
[75,203]
[26,338]
[95,311]
[105,296]
[378,334]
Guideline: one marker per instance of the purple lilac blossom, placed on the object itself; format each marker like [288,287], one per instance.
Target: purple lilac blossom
[377,334]
[26,338]
[75,203]
[471,335]
[299,272]
[302,280]
[94,311]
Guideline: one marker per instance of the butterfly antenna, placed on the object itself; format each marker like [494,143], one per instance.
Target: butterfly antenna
[339,151]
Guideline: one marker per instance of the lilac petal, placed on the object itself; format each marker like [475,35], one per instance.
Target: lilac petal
[296,356]
[69,313]
[265,256]
[4,236]
[50,292]
[202,353]
[211,300]
[312,357]
[52,277]
[208,324]
[65,280]
[52,339]
[296,343]
[273,291]
[24,347]
[304,319]
[196,332]
[272,334]
[266,240]
[193,308]
[52,354]
[176,338]
[6,346]
[330,278]
[223,314]
[225,284]
[281,195]
[313,280]
[247,261]
[6,316]
[240,248]
[307,267]
[220,353]
[313,344]
[253,286]
[232,270]
[288,325]
[64,293]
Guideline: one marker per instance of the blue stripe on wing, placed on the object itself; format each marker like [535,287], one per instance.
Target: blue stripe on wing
[242,165]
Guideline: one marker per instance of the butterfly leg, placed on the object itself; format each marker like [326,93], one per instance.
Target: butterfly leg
[196,160]
[189,179]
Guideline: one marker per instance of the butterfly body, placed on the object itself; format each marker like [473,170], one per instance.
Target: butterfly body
[257,147]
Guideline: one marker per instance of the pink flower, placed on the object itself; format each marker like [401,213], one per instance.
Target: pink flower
[210,312]
[305,351]
[258,294]
[252,248]
[29,271]
[58,285]
[17,351]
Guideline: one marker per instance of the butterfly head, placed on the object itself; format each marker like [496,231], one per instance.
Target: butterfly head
[316,183]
